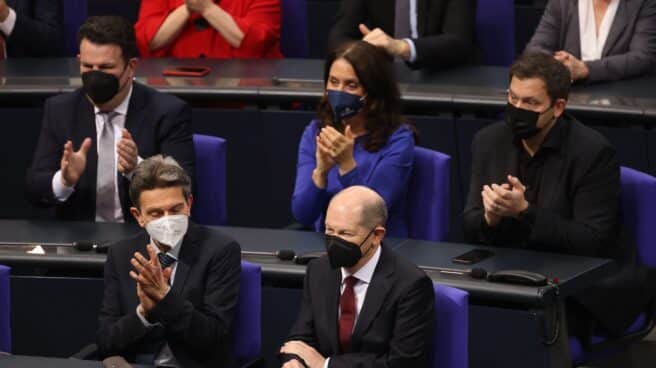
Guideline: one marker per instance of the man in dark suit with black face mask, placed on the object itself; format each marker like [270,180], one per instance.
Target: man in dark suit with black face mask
[362,304]
[92,139]
[546,182]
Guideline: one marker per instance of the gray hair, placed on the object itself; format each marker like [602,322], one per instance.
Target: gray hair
[158,172]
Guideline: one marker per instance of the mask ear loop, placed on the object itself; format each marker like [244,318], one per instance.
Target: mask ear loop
[365,239]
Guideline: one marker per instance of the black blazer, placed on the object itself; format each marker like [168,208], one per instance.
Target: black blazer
[197,313]
[394,327]
[158,122]
[445,28]
[630,49]
[39,29]
[576,211]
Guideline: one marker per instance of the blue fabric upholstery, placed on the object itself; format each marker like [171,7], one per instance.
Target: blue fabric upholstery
[209,207]
[451,343]
[247,335]
[495,31]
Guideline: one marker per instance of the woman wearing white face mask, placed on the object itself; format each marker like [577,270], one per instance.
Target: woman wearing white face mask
[359,138]
[174,274]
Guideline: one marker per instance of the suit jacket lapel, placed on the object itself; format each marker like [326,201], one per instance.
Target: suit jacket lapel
[617,28]
[331,320]
[187,258]
[85,127]
[380,285]
[572,44]
[422,12]
[136,111]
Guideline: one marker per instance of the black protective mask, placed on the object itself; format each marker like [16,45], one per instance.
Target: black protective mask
[522,122]
[100,86]
[343,253]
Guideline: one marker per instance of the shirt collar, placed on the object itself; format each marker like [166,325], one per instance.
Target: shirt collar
[122,108]
[173,252]
[366,272]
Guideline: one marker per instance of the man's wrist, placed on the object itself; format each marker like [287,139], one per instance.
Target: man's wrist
[402,49]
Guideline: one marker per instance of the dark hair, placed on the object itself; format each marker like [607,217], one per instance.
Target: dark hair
[382,107]
[110,30]
[536,64]
[158,172]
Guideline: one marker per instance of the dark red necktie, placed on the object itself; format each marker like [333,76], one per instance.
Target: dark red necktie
[347,316]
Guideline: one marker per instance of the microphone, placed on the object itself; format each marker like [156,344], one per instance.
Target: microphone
[475,273]
[282,254]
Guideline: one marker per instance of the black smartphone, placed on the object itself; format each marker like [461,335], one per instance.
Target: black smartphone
[473,256]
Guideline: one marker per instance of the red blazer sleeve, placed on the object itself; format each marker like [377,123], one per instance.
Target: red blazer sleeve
[152,14]
[261,26]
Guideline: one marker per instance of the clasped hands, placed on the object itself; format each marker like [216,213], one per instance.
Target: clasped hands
[577,68]
[505,200]
[335,148]
[152,281]
[73,163]
[311,357]
[392,46]
[198,6]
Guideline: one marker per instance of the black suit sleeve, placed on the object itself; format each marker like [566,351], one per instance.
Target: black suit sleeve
[593,228]
[303,328]
[40,33]
[345,27]
[454,43]
[120,330]
[508,231]
[412,336]
[202,329]
[176,138]
[45,163]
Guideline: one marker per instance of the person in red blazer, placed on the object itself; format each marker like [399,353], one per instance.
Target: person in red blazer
[209,28]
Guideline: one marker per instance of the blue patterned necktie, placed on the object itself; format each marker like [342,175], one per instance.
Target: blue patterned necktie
[165,260]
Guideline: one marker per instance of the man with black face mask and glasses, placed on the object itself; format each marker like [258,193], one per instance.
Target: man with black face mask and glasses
[362,304]
[92,139]
[544,181]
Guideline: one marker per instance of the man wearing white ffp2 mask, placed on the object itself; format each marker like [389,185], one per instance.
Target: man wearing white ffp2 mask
[175,286]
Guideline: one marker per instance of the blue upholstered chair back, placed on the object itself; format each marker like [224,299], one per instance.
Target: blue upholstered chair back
[5,328]
[75,13]
[428,196]
[247,335]
[210,207]
[451,342]
[294,29]
[638,213]
[495,31]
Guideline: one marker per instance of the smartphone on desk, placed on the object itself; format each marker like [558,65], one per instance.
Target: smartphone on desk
[187,71]
[473,256]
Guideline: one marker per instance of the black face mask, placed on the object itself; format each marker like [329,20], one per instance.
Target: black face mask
[523,123]
[343,253]
[100,86]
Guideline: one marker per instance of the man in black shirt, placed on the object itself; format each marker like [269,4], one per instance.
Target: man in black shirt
[544,181]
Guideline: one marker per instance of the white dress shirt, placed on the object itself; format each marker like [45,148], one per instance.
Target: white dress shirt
[62,192]
[364,275]
[7,26]
[592,43]
[413,31]
[165,356]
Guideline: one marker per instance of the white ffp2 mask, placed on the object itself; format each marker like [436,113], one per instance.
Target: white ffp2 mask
[168,230]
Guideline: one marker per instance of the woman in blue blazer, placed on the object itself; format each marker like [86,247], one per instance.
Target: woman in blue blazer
[359,138]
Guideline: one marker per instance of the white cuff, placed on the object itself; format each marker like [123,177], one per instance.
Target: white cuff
[413,50]
[325,363]
[144,320]
[8,25]
[61,191]
[131,173]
